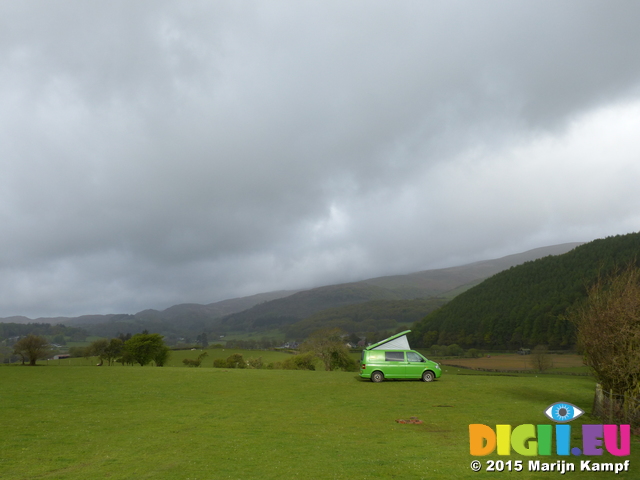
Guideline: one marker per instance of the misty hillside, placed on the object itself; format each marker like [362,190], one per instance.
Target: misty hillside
[523,306]
[371,319]
[425,284]
[286,308]
[446,279]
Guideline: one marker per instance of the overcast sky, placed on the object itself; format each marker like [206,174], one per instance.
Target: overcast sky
[163,152]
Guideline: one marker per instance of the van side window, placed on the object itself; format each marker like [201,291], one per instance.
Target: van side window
[414,357]
[394,356]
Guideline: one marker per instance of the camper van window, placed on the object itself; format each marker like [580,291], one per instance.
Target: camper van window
[394,356]
[414,357]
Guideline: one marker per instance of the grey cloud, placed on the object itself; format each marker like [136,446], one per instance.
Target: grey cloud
[159,152]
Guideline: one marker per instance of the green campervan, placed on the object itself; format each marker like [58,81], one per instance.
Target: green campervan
[393,358]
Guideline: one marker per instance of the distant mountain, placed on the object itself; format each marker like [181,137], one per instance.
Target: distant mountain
[437,282]
[524,305]
[176,313]
[284,308]
[425,284]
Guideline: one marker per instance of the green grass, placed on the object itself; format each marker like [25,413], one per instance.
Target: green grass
[207,423]
[274,334]
[267,355]
[175,360]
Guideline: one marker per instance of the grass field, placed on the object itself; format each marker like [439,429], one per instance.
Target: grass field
[206,423]
[175,360]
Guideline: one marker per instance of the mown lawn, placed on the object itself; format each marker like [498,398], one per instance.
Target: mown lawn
[207,423]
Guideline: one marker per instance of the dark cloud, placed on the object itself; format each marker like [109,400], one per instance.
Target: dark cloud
[163,152]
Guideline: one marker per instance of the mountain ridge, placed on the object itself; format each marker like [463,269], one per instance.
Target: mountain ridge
[285,307]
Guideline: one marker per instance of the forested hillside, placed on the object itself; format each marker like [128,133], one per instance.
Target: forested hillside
[373,305]
[362,318]
[284,312]
[523,306]
[292,309]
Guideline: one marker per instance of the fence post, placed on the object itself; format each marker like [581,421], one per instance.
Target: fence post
[610,406]
[598,401]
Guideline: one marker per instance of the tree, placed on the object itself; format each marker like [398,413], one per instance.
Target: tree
[97,349]
[123,337]
[329,346]
[77,351]
[608,330]
[33,348]
[145,347]
[162,355]
[203,340]
[104,349]
[113,350]
[540,359]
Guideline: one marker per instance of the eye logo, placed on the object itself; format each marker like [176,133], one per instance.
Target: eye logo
[562,412]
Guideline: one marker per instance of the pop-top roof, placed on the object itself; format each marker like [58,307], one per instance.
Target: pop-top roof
[396,342]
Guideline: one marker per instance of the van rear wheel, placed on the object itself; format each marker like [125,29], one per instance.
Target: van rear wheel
[428,376]
[377,377]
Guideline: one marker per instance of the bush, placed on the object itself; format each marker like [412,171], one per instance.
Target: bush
[220,363]
[304,361]
[473,353]
[328,346]
[236,361]
[438,350]
[608,330]
[540,359]
[195,363]
[254,362]
[455,350]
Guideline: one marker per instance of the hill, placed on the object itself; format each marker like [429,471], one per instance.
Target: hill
[283,309]
[438,282]
[366,318]
[183,319]
[524,305]
[424,284]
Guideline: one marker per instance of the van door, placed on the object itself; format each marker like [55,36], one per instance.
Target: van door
[394,365]
[415,365]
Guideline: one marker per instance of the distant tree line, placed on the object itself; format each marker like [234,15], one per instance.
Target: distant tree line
[10,331]
[326,347]
[142,348]
[367,317]
[262,344]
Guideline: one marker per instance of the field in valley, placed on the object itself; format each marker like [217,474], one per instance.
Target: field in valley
[567,363]
[81,422]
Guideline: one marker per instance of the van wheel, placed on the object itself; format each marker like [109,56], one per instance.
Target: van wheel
[428,376]
[377,377]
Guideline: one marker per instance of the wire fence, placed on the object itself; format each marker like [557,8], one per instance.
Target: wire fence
[615,408]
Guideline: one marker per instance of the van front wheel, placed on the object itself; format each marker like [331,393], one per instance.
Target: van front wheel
[377,377]
[428,376]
